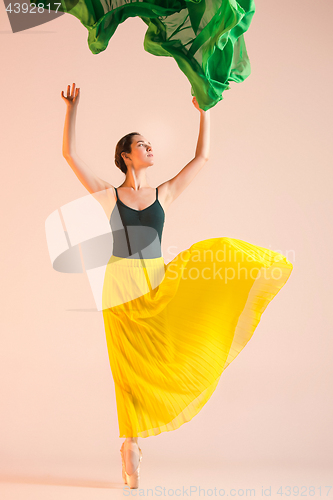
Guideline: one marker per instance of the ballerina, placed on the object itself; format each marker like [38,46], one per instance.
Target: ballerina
[172,329]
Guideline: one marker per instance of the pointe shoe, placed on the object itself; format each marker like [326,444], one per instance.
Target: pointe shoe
[123,463]
[133,479]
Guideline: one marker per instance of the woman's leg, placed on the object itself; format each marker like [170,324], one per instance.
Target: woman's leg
[131,453]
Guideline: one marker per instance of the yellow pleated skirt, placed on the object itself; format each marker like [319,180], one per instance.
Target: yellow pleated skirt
[171,330]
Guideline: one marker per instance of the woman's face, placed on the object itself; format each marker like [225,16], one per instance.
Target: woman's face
[141,153]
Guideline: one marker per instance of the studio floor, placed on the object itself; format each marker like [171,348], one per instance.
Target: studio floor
[190,480]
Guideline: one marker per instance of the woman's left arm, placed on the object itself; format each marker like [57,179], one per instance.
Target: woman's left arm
[203,144]
[175,186]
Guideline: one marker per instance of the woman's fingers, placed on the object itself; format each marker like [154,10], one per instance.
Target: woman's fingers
[77,95]
[196,104]
[72,93]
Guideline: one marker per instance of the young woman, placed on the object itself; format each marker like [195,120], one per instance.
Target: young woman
[172,329]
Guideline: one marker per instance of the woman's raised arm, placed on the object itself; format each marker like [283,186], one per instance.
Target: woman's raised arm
[175,186]
[85,175]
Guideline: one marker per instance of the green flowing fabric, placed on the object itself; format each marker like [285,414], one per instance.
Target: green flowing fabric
[205,37]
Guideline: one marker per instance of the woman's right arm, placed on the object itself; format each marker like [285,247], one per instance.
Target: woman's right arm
[86,176]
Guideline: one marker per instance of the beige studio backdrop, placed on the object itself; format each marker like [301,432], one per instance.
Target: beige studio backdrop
[268,181]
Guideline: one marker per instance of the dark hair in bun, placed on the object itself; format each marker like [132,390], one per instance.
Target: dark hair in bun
[123,146]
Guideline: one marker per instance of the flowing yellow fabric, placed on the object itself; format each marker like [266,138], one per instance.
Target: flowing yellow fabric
[171,330]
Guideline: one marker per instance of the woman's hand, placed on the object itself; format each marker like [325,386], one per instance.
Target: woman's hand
[196,105]
[73,96]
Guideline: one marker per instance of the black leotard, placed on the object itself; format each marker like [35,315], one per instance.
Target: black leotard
[137,233]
